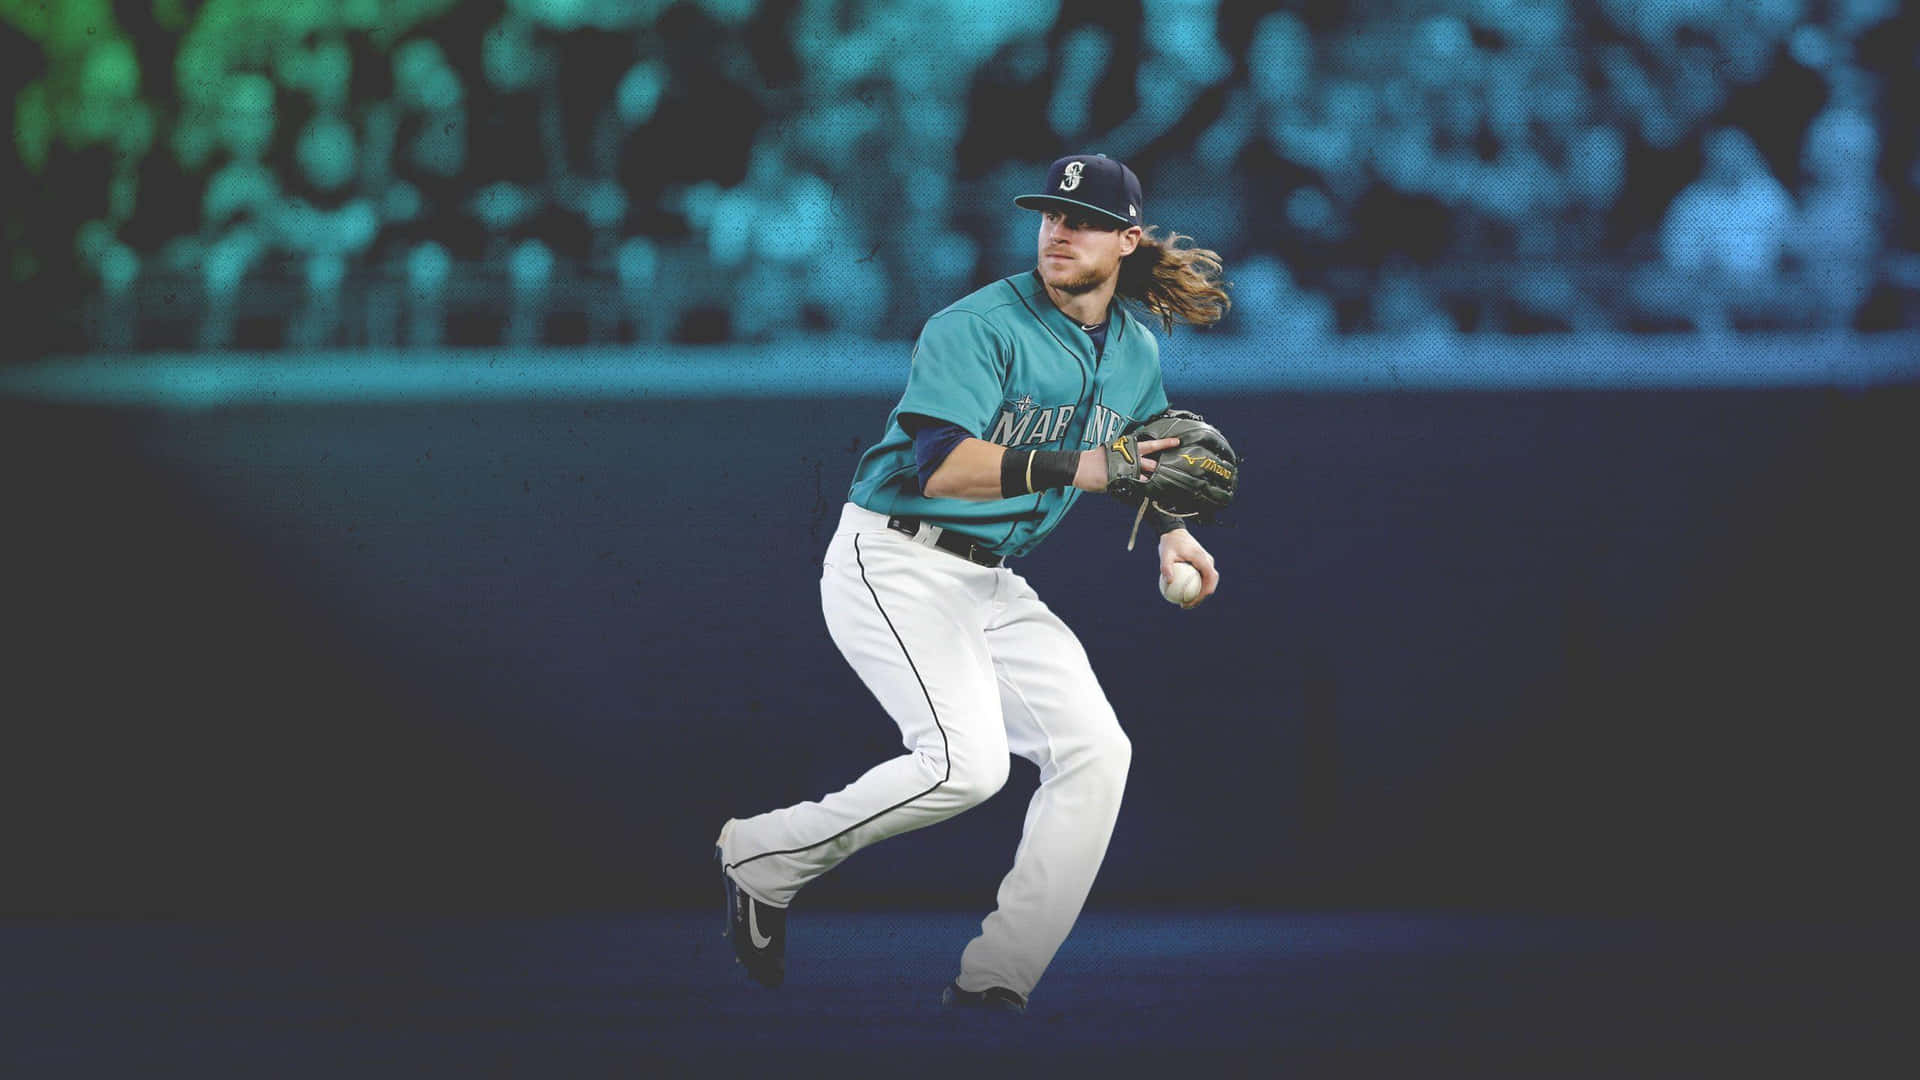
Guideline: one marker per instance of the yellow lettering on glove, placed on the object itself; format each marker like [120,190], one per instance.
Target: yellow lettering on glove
[1209,465]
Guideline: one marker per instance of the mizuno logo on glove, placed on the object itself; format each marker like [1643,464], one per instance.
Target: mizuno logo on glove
[1209,465]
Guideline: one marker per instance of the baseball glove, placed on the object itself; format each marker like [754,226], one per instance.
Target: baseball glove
[1194,479]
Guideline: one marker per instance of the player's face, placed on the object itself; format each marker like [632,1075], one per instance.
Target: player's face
[1079,252]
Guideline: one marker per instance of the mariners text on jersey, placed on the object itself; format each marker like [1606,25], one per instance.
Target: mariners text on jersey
[1006,365]
[1022,422]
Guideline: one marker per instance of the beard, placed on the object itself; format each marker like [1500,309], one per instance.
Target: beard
[1076,282]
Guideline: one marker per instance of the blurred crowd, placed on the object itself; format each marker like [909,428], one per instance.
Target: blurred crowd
[302,173]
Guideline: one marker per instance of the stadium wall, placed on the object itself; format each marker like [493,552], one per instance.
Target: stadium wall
[328,643]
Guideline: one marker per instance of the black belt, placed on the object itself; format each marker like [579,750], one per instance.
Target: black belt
[958,543]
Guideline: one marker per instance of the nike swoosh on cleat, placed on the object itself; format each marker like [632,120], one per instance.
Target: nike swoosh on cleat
[753,928]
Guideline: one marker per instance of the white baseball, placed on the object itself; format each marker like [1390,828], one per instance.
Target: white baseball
[1184,586]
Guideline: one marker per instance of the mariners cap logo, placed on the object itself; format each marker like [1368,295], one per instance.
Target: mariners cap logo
[1091,182]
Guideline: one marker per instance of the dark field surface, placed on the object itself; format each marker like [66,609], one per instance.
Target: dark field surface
[353,694]
[1158,994]
[1575,652]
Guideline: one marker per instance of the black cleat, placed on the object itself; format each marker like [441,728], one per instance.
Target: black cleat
[992,999]
[758,931]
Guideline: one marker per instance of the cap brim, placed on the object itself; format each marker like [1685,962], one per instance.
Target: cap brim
[1044,202]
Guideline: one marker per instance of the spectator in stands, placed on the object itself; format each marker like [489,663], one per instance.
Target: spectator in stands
[1401,216]
[837,43]
[677,126]
[1182,137]
[89,153]
[684,125]
[417,171]
[326,222]
[778,236]
[1595,168]
[516,145]
[1403,305]
[1291,208]
[689,119]
[883,167]
[928,265]
[841,44]
[1661,94]
[1884,37]
[1006,135]
[240,196]
[319,67]
[1836,236]
[1725,234]
[1476,158]
[1180,80]
[1085,57]
[428,189]
[596,47]
[1270,306]
[1096,47]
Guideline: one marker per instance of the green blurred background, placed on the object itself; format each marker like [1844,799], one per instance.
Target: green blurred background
[214,174]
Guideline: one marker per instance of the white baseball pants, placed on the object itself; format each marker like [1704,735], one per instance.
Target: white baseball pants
[971,665]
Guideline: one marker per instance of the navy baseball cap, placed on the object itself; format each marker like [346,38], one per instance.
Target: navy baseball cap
[1090,182]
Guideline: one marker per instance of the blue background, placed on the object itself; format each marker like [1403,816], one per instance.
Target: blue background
[1604,650]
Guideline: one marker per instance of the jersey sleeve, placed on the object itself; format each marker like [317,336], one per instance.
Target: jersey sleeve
[959,372]
[933,440]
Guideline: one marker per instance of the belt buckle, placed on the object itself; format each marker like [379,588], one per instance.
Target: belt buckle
[922,532]
[931,535]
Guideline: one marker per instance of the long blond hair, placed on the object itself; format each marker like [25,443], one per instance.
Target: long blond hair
[1175,283]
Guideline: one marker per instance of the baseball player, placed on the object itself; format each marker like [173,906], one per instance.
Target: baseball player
[1020,397]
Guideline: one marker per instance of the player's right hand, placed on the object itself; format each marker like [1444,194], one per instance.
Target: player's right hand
[1093,474]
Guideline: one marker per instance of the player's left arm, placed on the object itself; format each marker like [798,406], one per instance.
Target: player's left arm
[1177,545]
[1177,542]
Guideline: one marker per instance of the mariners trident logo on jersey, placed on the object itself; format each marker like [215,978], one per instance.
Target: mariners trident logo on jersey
[1023,422]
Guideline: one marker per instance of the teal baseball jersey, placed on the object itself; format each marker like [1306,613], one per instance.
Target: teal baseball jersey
[1006,365]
